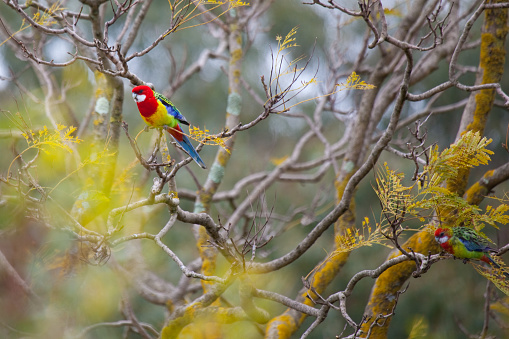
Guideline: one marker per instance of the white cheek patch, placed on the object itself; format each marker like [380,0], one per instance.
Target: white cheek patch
[139,97]
[442,239]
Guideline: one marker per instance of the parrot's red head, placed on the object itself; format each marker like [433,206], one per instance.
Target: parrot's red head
[141,93]
[145,99]
[442,235]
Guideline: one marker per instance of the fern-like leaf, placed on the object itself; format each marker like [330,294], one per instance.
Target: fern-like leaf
[499,276]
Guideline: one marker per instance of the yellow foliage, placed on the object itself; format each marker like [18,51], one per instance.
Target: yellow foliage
[496,215]
[184,11]
[501,307]
[284,67]
[291,64]
[122,179]
[61,138]
[393,11]
[203,137]
[354,82]
[428,195]
[420,328]
[278,161]
[353,238]
[469,151]
[94,159]
[288,41]
[89,205]
[359,237]
[497,275]
[44,19]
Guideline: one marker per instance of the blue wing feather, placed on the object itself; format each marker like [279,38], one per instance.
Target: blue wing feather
[474,246]
[474,243]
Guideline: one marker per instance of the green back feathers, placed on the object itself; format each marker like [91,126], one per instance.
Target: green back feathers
[164,99]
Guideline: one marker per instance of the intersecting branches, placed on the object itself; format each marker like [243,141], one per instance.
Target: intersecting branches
[165,170]
[151,163]
[373,13]
[255,238]
[100,51]
[328,303]
[419,151]
[277,94]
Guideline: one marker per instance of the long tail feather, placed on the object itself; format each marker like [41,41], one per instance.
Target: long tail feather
[188,147]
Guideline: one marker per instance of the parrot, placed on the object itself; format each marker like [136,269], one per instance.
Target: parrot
[465,243]
[157,111]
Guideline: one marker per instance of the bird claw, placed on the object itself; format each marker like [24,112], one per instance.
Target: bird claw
[464,260]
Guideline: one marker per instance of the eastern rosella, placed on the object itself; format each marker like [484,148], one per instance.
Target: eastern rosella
[464,243]
[157,111]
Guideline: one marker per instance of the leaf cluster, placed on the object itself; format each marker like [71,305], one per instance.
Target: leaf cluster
[359,237]
[496,273]
[205,138]
[61,137]
[427,198]
[45,140]
[184,11]
[43,18]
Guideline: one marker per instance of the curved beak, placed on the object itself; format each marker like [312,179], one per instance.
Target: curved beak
[139,97]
